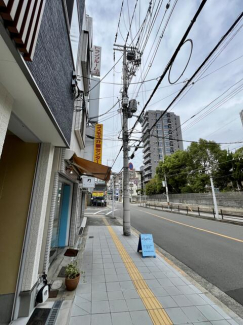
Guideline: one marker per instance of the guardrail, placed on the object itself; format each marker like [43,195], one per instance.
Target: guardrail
[192,210]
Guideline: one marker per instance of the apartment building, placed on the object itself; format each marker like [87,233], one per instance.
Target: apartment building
[163,140]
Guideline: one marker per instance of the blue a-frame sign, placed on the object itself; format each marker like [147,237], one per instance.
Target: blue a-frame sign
[146,245]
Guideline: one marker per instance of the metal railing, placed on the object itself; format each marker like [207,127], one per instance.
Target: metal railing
[195,211]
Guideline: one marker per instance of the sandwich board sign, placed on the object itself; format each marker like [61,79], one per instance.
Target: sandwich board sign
[146,245]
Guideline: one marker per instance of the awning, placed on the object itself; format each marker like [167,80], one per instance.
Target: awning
[90,168]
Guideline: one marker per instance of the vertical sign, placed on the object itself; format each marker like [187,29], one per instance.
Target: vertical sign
[98,143]
[96,61]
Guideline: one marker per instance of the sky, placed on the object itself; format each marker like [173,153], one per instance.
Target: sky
[220,123]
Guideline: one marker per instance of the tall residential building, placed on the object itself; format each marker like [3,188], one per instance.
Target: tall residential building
[163,140]
[241,116]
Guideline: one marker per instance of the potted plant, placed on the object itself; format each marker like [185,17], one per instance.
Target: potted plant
[72,276]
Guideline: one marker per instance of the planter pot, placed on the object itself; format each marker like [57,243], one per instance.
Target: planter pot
[71,284]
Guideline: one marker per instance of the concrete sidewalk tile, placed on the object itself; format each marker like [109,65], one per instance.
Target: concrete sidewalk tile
[110,271]
[121,270]
[98,266]
[182,301]
[83,288]
[113,286]
[99,286]
[126,285]
[147,276]
[141,318]
[206,299]
[98,279]
[84,320]
[99,295]
[78,311]
[144,269]
[135,304]
[210,313]
[159,275]
[100,319]
[111,278]
[97,260]
[123,318]
[177,281]
[86,306]
[100,307]
[130,294]
[177,316]
[195,289]
[235,321]
[123,277]
[153,283]
[115,295]
[160,292]
[193,314]
[167,302]
[153,268]
[165,283]
[219,322]
[172,291]
[221,312]
[118,306]
[85,296]
[117,265]
[196,300]
[186,290]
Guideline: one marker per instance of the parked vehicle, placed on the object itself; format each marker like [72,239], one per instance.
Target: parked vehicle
[98,199]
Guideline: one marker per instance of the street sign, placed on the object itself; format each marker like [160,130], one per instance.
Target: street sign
[146,245]
[130,166]
[163,183]
[88,182]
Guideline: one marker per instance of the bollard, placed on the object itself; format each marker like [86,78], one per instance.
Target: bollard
[187,210]
[171,208]
[222,214]
[213,213]
[178,208]
[199,211]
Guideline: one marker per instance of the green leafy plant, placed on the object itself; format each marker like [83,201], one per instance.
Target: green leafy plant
[72,270]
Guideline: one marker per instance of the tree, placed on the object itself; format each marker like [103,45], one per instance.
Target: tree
[151,187]
[175,168]
[237,173]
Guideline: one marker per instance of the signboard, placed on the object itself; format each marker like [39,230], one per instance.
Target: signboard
[96,61]
[130,166]
[146,245]
[98,143]
[98,194]
[88,182]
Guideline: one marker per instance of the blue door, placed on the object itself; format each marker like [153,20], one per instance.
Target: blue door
[64,215]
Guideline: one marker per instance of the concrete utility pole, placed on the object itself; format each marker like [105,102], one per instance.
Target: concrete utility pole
[214,198]
[126,204]
[113,190]
[131,55]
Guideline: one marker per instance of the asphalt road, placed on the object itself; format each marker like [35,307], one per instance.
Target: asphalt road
[212,249]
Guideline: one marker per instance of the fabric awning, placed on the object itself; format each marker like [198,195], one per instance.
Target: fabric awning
[90,168]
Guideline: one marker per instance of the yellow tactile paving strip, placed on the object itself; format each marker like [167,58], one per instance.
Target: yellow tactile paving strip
[152,304]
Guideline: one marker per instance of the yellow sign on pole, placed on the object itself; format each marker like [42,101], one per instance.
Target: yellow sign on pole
[98,143]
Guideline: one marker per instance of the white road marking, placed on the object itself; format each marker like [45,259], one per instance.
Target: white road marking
[110,212]
[98,211]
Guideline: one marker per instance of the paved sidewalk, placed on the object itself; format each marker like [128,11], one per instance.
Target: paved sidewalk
[119,287]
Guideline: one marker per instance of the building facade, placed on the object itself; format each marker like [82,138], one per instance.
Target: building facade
[163,140]
[45,70]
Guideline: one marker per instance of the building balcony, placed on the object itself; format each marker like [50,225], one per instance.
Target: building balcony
[148,166]
[148,172]
[146,155]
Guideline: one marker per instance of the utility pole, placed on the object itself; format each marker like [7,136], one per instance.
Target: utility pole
[126,204]
[113,190]
[214,198]
[133,57]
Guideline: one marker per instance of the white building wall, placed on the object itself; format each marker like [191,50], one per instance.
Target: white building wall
[6,103]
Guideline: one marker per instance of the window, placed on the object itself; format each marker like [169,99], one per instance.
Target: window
[171,143]
[159,126]
[170,132]
[169,126]
[74,32]
[160,150]
[168,114]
